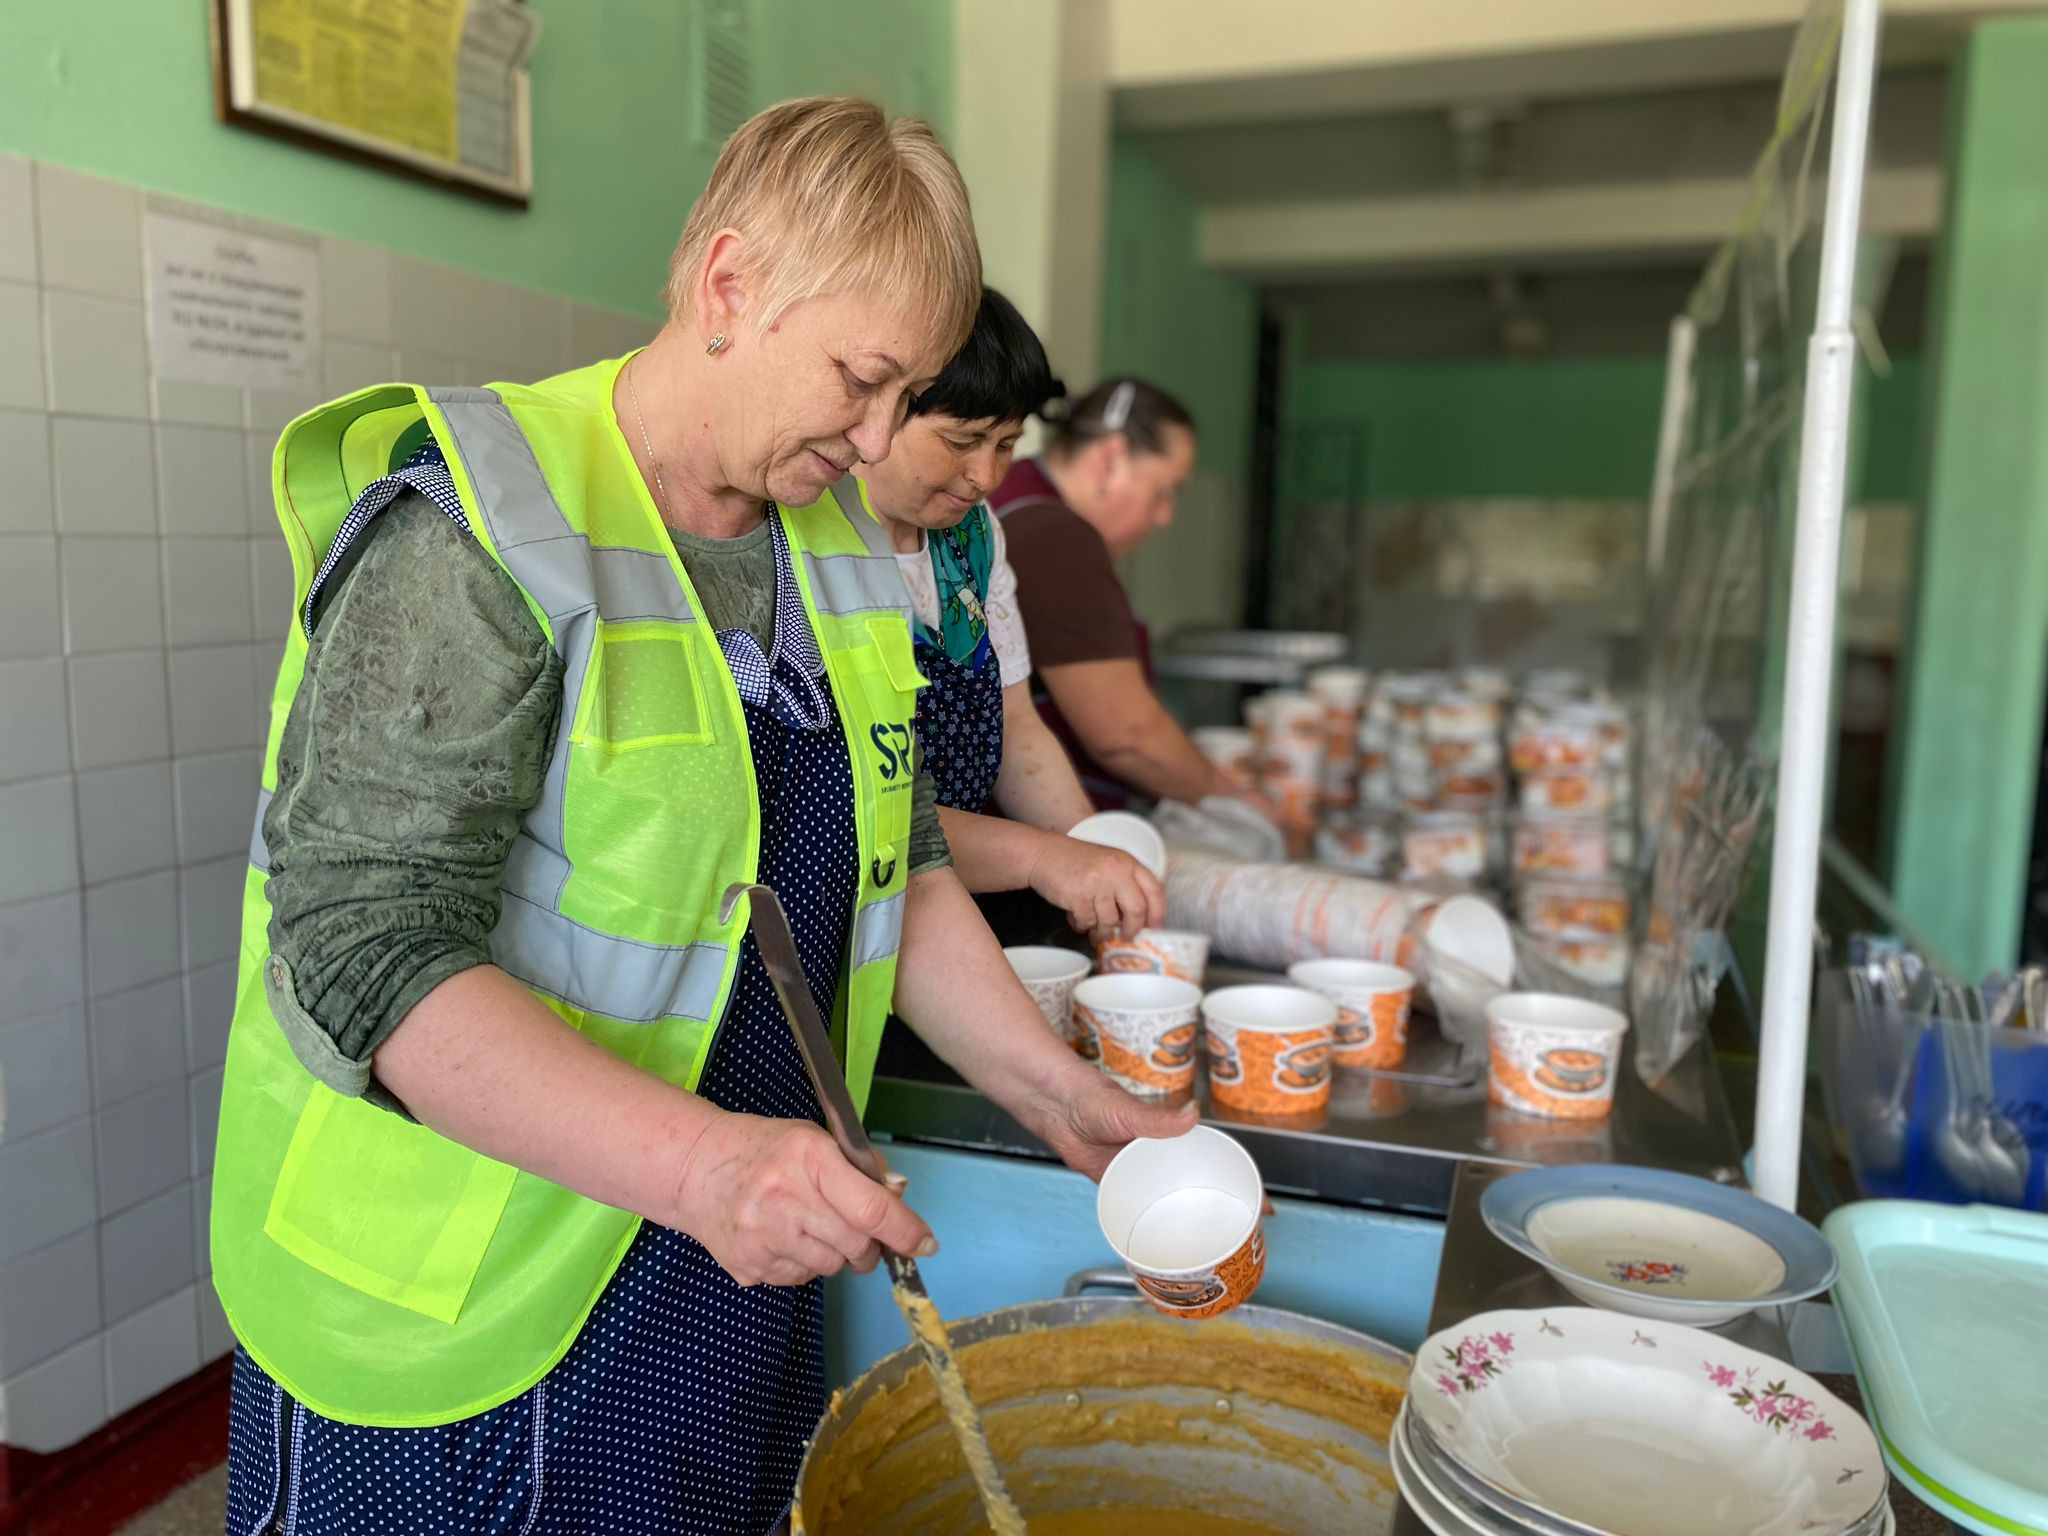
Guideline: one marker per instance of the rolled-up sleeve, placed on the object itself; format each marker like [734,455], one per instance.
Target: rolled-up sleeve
[418,740]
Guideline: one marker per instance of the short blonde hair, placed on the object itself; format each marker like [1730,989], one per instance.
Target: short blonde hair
[833,197]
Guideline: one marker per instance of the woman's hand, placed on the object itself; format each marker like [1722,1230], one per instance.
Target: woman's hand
[1090,1125]
[777,1203]
[1105,893]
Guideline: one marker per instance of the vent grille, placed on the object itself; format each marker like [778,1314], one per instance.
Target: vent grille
[724,56]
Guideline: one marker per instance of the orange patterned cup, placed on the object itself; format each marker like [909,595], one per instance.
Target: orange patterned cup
[1269,1049]
[1156,952]
[1183,1215]
[1143,1030]
[1372,1009]
[1553,1055]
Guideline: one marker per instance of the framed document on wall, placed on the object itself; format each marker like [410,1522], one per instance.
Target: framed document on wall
[437,89]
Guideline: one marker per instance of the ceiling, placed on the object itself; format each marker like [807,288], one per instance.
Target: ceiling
[1570,220]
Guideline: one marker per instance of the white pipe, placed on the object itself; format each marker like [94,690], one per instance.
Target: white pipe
[1810,641]
[1670,435]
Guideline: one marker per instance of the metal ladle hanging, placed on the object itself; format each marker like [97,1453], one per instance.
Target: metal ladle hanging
[777,948]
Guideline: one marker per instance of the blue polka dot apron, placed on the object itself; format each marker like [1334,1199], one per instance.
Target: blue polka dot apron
[960,716]
[683,1407]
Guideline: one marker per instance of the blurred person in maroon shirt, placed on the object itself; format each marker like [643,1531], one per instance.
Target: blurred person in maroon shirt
[1105,484]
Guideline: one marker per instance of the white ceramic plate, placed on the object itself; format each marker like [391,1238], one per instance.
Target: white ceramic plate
[1658,1244]
[1427,1501]
[1644,1428]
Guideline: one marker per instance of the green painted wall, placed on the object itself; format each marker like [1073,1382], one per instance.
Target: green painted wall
[1576,426]
[1168,319]
[123,89]
[1967,763]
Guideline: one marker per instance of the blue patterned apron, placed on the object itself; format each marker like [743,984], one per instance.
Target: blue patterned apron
[683,1407]
[960,716]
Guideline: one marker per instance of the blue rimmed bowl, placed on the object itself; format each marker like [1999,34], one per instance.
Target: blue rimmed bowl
[1658,1244]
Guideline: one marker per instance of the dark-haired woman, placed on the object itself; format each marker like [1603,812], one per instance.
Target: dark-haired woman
[984,744]
[1106,483]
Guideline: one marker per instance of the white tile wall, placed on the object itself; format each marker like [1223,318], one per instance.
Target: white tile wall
[42,955]
[35,829]
[49,1406]
[49,1300]
[45,1077]
[125,822]
[21,348]
[206,589]
[17,220]
[145,591]
[138,1041]
[144,1145]
[25,500]
[94,355]
[131,933]
[202,481]
[90,232]
[34,690]
[146,1253]
[113,595]
[46,1188]
[119,709]
[151,1350]
[105,479]
[28,597]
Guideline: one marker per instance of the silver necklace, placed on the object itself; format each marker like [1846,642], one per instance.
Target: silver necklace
[660,490]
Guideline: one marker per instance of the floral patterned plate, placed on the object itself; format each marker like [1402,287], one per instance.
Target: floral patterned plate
[1644,1428]
[1659,1244]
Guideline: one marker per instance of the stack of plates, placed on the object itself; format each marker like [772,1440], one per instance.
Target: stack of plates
[1577,1422]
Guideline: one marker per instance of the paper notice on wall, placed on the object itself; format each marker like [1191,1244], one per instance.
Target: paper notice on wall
[230,308]
[438,82]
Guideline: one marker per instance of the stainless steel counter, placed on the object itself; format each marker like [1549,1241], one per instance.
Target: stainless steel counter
[1391,1142]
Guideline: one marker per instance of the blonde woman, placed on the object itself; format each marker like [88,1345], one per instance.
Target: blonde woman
[521,1199]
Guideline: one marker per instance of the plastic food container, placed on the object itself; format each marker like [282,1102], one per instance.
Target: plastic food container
[1933,1109]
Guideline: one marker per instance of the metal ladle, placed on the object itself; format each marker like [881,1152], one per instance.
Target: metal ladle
[777,948]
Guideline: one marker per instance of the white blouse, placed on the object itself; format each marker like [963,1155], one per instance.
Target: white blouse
[1005,627]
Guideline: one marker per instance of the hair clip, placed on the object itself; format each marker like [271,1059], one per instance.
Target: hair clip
[1118,411]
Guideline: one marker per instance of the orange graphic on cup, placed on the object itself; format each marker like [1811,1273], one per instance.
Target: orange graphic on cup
[1372,1001]
[1156,952]
[1269,1048]
[1143,1028]
[1553,1055]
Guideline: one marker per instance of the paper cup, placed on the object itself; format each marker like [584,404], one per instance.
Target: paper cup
[1372,1009]
[1142,1031]
[1183,1215]
[1552,1055]
[1562,906]
[1269,1048]
[1173,952]
[1120,829]
[1233,752]
[1049,974]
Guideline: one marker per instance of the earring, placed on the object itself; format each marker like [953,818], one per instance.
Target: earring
[717,343]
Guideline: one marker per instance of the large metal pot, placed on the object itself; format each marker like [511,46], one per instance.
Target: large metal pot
[1101,1404]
